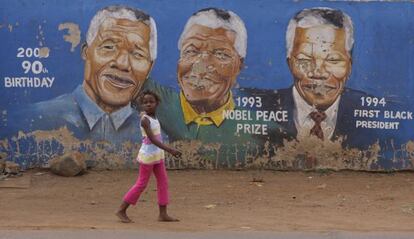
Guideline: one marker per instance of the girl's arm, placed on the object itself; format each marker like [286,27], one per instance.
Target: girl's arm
[145,123]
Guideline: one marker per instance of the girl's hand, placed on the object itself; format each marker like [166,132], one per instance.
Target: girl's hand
[175,153]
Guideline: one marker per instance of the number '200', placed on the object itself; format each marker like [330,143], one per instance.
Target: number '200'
[28,52]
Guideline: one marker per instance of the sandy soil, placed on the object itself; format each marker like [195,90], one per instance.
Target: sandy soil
[217,200]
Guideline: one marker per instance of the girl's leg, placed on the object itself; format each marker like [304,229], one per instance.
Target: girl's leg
[121,213]
[132,196]
[162,183]
[162,192]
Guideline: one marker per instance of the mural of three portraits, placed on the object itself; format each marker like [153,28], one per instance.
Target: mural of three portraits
[278,85]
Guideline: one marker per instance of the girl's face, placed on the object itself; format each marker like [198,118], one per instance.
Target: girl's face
[149,104]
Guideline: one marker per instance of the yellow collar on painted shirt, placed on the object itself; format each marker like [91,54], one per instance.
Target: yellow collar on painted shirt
[214,117]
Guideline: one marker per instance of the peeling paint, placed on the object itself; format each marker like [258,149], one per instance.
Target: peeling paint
[4,117]
[409,149]
[313,153]
[40,36]
[41,146]
[44,52]
[73,35]
[10,27]
[294,155]
[38,147]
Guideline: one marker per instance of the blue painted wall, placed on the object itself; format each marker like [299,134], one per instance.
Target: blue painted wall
[383,62]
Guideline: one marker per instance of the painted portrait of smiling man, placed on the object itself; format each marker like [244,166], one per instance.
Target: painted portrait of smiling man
[117,62]
[320,64]
[212,49]
[120,50]
[319,44]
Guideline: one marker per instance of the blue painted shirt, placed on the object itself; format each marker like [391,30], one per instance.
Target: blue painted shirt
[81,115]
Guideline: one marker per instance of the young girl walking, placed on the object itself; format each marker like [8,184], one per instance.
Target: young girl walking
[151,159]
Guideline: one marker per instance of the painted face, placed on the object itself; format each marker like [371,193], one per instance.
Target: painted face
[117,62]
[320,64]
[149,104]
[208,65]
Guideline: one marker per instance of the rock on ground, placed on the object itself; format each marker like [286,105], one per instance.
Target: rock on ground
[11,167]
[68,165]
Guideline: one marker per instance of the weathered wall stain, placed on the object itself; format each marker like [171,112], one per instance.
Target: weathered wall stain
[38,147]
[41,36]
[74,34]
[44,52]
[293,155]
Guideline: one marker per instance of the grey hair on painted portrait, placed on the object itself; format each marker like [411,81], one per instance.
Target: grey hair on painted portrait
[219,18]
[316,17]
[123,12]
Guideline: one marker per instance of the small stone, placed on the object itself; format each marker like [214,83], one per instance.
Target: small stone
[257,180]
[11,168]
[322,186]
[210,206]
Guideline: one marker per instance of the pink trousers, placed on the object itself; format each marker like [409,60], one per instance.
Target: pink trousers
[145,171]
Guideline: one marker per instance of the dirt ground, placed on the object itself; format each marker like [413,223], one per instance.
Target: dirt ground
[215,200]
